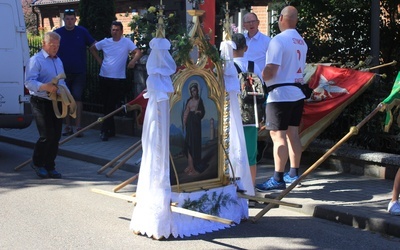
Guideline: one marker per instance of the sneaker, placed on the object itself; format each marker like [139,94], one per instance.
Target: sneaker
[68,131]
[40,171]
[289,180]
[271,184]
[394,208]
[54,174]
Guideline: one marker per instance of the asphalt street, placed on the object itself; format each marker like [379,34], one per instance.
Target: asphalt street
[66,214]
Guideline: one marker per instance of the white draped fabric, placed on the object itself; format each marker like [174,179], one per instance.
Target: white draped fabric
[237,146]
[152,214]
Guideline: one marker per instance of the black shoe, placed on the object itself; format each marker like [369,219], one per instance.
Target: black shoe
[104,136]
[54,174]
[40,171]
[68,131]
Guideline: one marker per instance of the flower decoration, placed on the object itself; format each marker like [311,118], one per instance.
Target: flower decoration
[144,27]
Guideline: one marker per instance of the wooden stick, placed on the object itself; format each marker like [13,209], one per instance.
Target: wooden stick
[123,184]
[124,160]
[383,65]
[173,208]
[263,199]
[352,131]
[110,163]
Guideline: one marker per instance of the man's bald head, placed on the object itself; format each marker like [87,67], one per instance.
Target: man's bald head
[288,18]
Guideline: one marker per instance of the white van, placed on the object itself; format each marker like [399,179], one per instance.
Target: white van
[15,110]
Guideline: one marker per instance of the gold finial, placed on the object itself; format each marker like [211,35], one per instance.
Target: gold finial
[227,24]
[160,32]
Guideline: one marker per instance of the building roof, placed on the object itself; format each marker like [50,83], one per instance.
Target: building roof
[52,2]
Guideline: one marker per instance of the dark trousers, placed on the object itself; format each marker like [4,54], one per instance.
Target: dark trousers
[49,128]
[111,92]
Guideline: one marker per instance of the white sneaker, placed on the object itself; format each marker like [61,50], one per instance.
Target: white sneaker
[394,208]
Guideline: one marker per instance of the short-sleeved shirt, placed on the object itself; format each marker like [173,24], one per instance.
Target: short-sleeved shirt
[288,50]
[115,56]
[73,48]
[257,47]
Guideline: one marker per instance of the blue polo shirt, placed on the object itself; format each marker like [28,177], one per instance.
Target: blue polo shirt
[73,48]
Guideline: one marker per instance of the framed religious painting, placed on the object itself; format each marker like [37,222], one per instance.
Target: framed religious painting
[197,153]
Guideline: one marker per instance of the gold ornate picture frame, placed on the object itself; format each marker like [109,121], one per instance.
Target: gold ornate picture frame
[199,136]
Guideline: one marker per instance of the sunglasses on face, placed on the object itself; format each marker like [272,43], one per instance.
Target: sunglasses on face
[69,11]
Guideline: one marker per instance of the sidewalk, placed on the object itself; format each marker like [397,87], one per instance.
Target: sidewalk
[357,201]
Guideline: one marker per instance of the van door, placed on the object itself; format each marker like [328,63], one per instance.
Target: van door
[14,54]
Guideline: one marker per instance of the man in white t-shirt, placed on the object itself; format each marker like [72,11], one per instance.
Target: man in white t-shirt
[257,42]
[285,63]
[113,71]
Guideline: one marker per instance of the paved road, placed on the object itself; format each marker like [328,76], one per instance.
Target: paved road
[66,214]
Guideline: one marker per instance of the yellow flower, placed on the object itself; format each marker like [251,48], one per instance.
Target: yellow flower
[151,9]
[171,15]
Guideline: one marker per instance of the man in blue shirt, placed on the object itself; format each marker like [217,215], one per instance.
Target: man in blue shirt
[73,47]
[42,68]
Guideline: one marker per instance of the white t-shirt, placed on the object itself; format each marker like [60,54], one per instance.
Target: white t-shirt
[115,56]
[288,50]
[243,63]
[257,47]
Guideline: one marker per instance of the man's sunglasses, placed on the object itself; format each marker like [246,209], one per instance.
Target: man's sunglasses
[69,11]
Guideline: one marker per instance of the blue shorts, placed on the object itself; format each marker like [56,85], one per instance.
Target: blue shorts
[76,84]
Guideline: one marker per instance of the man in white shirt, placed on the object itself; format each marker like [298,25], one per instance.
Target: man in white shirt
[285,63]
[256,41]
[113,71]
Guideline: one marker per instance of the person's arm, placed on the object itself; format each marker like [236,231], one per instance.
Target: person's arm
[95,53]
[136,54]
[269,71]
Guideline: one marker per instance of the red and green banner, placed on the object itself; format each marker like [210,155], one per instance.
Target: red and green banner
[334,89]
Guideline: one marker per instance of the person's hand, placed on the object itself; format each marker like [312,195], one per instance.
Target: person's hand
[50,87]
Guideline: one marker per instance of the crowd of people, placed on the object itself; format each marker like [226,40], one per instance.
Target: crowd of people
[277,61]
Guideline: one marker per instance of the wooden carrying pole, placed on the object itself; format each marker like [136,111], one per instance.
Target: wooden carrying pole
[116,167]
[124,183]
[174,208]
[99,120]
[110,163]
[268,200]
[352,131]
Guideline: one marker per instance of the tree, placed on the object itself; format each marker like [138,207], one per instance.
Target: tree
[30,18]
[97,16]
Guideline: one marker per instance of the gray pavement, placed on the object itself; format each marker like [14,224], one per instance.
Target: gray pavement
[358,201]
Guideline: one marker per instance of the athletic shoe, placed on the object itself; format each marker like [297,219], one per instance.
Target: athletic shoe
[289,180]
[40,171]
[394,208]
[271,184]
[54,174]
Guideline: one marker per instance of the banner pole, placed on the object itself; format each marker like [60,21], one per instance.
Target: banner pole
[353,131]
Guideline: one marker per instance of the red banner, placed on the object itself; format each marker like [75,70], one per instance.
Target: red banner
[208,19]
[334,89]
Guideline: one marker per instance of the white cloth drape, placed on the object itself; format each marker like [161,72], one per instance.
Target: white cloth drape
[152,214]
[237,145]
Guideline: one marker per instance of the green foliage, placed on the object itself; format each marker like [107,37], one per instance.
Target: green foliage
[97,16]
[144,27]
[340,31]
[209,205]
